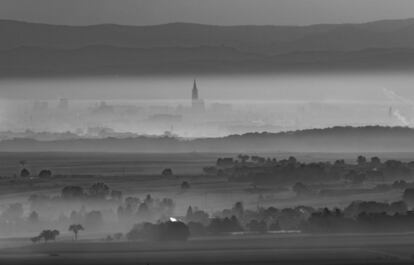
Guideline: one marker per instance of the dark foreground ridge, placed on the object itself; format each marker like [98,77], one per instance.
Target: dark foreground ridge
[339,139]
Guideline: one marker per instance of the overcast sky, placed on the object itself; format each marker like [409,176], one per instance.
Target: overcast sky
[224,12]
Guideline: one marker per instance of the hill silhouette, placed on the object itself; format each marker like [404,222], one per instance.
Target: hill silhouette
[181,48]
[336,139]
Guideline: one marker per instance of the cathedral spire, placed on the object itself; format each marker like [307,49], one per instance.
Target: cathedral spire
[195,91]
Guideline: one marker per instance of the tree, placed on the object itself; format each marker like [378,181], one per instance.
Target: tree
[24,173]
[167,172]
[33,217]
[408,196]
[185,185]
[226,225]
[72,192]
[99,190]
[176,231]
[75,228]
[149,200]
[375,161]
[292,160]
[238,210]
[22,163]
[361,160]
[243,158]
[47,235]
[45,173]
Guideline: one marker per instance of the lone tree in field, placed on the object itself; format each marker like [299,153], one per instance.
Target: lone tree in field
[167,172]
[24,173]
[75,229]
[185,186]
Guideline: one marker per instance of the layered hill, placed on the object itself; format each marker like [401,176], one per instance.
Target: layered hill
[38,49]
[337,139]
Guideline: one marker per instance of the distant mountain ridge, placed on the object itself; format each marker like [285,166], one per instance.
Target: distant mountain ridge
[336,139]
[257,39]
[109,61]
[28,49]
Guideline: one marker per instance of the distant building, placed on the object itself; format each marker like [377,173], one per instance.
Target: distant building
[197,104]
[194,92]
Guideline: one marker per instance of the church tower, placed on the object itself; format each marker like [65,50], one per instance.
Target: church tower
[197,104]
[195,91]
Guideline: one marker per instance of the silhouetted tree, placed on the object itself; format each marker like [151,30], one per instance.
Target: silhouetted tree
[408,196]
[99,190]
[75,228]
[361,160]
[185,185]
[33,217]
[72,192]
[24,173]
[375,161]
[167,172]
[45,173]
[48,235]
[238,210]
[160,232]
[225,225]
[243,158]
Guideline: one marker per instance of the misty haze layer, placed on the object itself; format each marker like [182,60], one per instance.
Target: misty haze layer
[102,107]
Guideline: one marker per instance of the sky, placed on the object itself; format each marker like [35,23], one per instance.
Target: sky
[219,12]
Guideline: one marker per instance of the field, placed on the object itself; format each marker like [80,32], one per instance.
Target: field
[269,249]
[140,174]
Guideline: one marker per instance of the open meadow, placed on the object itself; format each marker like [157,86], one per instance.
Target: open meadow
[140,174]
[270,249]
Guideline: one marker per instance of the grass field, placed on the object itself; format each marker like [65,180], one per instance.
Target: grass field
[110,164]
[140,174]
[269,249]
